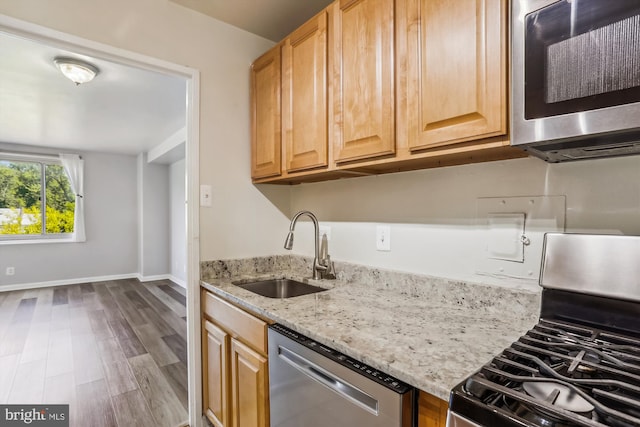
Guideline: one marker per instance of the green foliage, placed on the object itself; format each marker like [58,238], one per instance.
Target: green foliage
[8,183]
[23,221]
[57,221]
[59,193]
[27,188]
[11,227]
[60,221]
[20,184]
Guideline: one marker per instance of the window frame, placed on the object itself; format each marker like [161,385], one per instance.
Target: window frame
[43,237]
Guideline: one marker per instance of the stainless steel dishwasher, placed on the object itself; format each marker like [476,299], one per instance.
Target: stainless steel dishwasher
[312,385]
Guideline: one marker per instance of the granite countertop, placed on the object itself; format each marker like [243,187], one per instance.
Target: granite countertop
[431,336]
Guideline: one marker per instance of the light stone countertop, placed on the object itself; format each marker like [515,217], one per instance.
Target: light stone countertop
[431,338]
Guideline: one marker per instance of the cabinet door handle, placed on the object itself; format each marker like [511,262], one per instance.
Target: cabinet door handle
[330,380]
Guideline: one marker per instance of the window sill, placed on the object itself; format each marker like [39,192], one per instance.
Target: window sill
[35,241]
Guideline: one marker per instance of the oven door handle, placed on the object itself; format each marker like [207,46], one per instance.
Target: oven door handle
[333,382]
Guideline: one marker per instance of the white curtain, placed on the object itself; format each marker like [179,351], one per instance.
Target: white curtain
[74,166]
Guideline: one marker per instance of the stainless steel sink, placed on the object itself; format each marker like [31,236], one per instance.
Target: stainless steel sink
[280,288]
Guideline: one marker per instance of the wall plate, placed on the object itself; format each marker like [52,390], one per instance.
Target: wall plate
[498,219]
[506,236]
[383,238]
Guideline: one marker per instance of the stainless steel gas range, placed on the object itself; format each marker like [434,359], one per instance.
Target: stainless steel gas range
[580,365]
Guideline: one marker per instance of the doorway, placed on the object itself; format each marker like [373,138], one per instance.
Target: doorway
[103,52]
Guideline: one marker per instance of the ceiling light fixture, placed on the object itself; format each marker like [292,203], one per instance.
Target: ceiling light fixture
[75,70]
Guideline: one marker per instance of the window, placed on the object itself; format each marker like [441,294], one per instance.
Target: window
[36,198]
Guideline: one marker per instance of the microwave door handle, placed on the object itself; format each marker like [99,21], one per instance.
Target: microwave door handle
[333,382]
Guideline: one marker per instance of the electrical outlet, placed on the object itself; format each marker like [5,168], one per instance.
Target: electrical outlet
[10,271]
[383,238]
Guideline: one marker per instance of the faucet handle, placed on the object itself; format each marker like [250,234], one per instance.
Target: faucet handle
[330,271]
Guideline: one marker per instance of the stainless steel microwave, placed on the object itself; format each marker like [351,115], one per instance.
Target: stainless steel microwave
[575,75]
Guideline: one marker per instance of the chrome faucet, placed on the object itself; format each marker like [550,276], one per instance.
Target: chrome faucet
[322,266]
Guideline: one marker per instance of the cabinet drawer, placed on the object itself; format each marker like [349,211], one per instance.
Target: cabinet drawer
[237,322]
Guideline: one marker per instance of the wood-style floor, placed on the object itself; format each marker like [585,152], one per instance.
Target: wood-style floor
[114,351]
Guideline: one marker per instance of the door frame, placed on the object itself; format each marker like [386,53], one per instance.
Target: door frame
[88,47]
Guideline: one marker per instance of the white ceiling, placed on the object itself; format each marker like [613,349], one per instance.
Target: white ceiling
[123,110]
[273,19]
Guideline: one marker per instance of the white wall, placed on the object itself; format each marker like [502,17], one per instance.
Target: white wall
[111,228]
[434,229]
[242,221]
[155,225]
[433,211]
[178,221]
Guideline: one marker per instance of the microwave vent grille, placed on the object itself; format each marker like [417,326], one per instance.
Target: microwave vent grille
[608,145]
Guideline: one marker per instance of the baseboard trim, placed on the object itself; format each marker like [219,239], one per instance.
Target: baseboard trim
[66,282]
[36,285]
[171,277]
[153,278]
[179,282]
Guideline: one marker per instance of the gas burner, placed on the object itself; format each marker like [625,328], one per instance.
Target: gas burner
[534,415]
[580,356]
[558,395]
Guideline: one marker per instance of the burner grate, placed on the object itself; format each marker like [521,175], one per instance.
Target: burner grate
[561,375]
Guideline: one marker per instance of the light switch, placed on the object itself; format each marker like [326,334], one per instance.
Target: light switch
[205,196]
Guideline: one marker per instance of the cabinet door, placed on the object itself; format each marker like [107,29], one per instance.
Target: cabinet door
[456,71]
[266,133]
[249,387]
[304,95]
[363,79]
[432,412]
[215,371]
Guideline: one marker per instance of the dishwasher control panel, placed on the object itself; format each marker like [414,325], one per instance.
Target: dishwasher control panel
[344,360]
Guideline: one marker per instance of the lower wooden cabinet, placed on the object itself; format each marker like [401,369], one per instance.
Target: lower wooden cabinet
[235,367]
[249,386]
[215,344]
[432,412]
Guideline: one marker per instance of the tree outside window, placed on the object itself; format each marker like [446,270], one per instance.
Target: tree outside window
[35,200]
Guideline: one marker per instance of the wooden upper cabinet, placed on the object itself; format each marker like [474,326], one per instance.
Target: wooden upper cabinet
[456,71]
[376,86]
[266,140]
[304,95]
[363,79]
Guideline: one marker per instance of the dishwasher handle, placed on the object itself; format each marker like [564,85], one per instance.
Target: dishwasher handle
[336,384]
